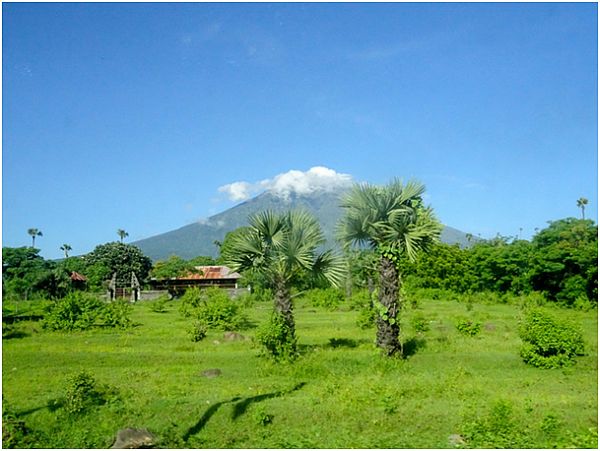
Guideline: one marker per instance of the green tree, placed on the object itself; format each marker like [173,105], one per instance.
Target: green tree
[581,203]
[34,233]
[119,258]
[122,234]
[565,260]
[282,247]
[22,269]
[393,220]
[174,266]
[66,249]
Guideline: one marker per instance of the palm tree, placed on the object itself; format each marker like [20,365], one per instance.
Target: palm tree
[392,220]
[122,233]
[280,247]
[66,248]
[34,233]
[581,203]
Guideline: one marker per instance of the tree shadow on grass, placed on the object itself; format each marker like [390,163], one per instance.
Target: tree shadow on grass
[12,334]
[411,346]
[239,408]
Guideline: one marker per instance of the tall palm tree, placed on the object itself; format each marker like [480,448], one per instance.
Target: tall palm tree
[280,247]
[393,220]
[581,203]
[34,233]
[66,248]
[122,234]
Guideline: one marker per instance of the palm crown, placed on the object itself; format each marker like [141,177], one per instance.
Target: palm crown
[280,246]
[392,216]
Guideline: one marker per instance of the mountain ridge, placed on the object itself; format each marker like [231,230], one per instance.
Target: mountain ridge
[199,238]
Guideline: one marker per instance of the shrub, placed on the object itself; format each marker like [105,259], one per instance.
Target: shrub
[116,314]
[366,317]
[468,327]
[214,308]
[277,338]
[81,393]
[549,342]
[76,311]
[159,305]
[498,429]
[329,298]
[197,331]
[359,300]
[191,300]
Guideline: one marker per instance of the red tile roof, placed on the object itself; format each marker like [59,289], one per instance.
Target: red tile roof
[211,273]
[75,276]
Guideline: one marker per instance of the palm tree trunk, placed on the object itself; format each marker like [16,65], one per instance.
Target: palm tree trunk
[283,305]
[388,329]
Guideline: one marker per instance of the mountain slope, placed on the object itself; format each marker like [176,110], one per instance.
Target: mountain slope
[199,238]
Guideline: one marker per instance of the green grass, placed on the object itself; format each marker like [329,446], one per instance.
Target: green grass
[340,393]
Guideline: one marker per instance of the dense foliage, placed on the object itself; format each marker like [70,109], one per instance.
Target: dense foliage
[213,308]
[81,311]
[122,259]
[560,262]
[549,342]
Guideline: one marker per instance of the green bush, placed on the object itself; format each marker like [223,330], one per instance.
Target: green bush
[359,300]
[468,327]
[76,311]
[329,298]
[81,393]
[116,314]
[197,331]
[366,317]
[159,305]
[500,428]
[214,308]
[190,301]
[549,342]
[277,338]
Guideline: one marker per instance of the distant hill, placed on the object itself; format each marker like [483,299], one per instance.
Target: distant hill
[199,238]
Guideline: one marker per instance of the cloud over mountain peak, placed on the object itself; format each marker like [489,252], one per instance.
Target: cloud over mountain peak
[318,178]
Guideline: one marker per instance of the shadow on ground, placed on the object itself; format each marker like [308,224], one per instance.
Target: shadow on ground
[240,405]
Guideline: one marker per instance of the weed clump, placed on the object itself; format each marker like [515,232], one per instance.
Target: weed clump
[15,433]
[549,342]
[468,327]
[277,338]
[419,323]
[197,331]
[82,392]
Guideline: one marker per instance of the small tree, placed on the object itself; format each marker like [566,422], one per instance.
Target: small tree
[282,247]
[581,203]
[66,249]
[122,234]
[34,233]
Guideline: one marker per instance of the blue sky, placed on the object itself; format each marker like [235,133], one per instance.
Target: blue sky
[142,116]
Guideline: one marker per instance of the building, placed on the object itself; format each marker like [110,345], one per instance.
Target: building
[205,277]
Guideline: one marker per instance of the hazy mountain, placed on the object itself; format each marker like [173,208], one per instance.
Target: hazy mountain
[199,238]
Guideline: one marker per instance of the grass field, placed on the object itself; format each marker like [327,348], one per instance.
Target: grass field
[340,393]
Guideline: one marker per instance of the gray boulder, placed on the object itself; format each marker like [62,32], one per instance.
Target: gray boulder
[133,439]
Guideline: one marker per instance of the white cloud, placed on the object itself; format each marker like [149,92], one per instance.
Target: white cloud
[237,191]
[318,178]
